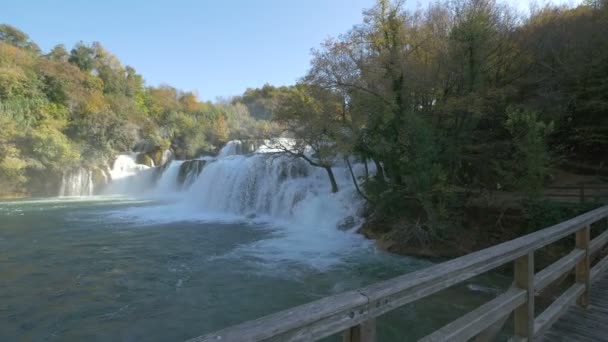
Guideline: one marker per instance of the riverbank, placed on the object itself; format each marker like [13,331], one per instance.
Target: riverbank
[486,219]
[477,227]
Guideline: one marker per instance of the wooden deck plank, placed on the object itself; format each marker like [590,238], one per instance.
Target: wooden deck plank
[580,324]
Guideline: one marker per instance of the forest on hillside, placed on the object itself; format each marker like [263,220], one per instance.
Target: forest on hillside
[460,96]
[79,108]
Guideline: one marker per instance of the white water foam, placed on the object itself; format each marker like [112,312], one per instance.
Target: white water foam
[128,177]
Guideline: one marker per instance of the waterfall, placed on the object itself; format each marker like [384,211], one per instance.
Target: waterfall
[237,182]
[167,156]
[261,185]
[125,166]
[230,149]
[236,147]
[128,177]
[168,180]
[285,195]
[257,185]
[78,182]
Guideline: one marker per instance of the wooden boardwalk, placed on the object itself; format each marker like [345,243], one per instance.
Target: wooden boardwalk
[580,324]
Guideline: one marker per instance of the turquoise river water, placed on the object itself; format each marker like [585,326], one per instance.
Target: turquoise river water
[88,269]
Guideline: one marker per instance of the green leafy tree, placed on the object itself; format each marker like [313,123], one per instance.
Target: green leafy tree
[83,56]
[14,36]
[531,158]
[12,165]
[309,114]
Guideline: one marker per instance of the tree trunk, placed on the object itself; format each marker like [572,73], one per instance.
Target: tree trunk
[332,179]
[352,174]
[366,169]
[379,171]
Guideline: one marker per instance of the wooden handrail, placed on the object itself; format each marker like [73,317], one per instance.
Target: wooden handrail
[584,191]
[354,312]
[588,186]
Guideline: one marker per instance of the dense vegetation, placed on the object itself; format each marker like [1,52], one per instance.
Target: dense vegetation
[67,109]
[457,100]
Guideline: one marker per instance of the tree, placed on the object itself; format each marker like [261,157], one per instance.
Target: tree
[52,149]
[220,129]
[187,136]
[20,39]
[83,56]
[59,53]
[260,101]
[531,156]
[17,77]
[309,114]
[12,164]
[565,82]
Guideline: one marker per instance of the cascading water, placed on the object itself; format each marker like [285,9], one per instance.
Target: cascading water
[261,184]
[125,177]
[78,182]
[168,181]
[128,177]
[232,148]
[236,147]
[236,183]
[260,187]
[125,166]
[265,185]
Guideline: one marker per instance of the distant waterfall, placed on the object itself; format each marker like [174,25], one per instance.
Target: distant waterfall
[168,181]
[78,182]
[232,148]
[236,147]
[125,177]
[125,166]
[128,177]
[244,184]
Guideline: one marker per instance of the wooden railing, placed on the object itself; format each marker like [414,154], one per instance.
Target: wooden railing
[582,193]
[354,313]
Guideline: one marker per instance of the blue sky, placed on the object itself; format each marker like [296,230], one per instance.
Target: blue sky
[213,47]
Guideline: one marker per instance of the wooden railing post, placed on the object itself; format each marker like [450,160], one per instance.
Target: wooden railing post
[524,279]
[582,268]
[364,332]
